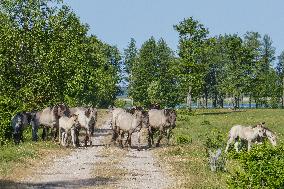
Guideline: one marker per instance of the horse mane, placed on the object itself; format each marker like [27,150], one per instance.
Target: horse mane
[266,128]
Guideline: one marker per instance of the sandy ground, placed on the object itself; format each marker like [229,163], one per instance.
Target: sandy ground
[99,166]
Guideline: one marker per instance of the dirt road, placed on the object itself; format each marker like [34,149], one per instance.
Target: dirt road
[99,166]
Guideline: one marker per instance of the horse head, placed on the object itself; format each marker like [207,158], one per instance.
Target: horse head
[260,129]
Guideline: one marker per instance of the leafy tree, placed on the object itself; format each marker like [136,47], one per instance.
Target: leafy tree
[46,57]
[153,77]
[264,68]
[214,74]
[192,37]
[280,73]
[130,55]
[252,42]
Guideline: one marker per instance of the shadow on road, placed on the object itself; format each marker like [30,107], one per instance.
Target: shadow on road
[83,183]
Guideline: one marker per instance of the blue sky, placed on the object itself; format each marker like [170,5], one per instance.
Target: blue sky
[116,21]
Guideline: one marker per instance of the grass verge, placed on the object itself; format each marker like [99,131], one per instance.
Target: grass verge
[188,163]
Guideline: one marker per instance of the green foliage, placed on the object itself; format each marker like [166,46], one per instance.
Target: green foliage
[46,58]
[152,74]
[183,139]
[214,139]
[192,47]
[120,103]
[262,167]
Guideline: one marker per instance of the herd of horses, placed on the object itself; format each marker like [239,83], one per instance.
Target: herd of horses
[64,121]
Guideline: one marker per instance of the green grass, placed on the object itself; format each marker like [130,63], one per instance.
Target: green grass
[189,162]
[20,156]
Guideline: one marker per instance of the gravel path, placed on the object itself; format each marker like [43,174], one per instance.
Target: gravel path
[138,169]
[74,170]
[143,171]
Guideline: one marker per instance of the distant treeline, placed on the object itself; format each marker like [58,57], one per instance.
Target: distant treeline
[208,68]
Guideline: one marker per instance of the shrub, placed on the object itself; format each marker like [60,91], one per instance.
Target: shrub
[214,139]
[186,112]
[217,160]
[8,107]
[214,144]
[119,103]
[262,167]
[183,139]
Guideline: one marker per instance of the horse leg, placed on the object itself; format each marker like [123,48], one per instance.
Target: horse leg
[43,135]
[236,146]
[152,136]
[55,132]
[129,138]
[126,143]
[73,136]
[34,131]
[160,138]
[168,136]
[77,131]
[62,138]
[230,141]
[120,138]
[90,137]
[21,136]
[249,145]
[59,134]
[65,138]
[139,146]
[86,138]
[149,137]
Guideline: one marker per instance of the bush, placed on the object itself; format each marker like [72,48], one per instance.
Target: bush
[262,167]
[183,139]
[8,107]
[214,143]
[214,140]
[120,103]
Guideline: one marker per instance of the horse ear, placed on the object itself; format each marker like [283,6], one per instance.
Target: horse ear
[55,110]
[88,112]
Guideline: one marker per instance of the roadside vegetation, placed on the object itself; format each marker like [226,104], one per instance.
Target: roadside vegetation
[189,162]
[17,160]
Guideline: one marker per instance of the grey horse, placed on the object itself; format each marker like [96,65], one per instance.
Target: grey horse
[48,118]
[87,118]
[163,121]
[19,122]
[129,123]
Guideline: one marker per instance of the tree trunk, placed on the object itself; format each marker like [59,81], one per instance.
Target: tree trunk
[222,103]
[197,103]
[188,98]
[250,101]
[236,103]
[283,93]
[215,101]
